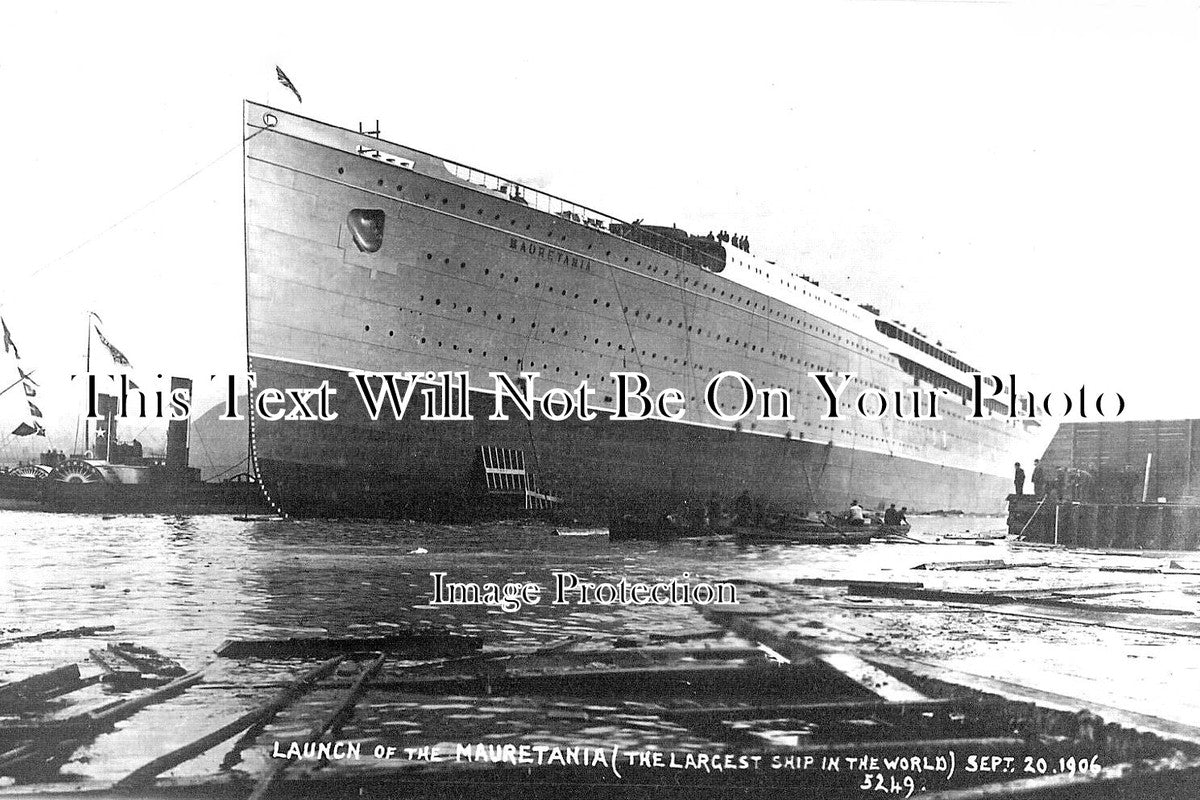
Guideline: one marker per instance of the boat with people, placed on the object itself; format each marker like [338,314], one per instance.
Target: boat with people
[824,528]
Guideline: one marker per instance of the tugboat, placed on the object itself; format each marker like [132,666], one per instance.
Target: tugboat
[126,480]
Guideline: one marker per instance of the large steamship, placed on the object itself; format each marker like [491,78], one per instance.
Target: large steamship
[368,256]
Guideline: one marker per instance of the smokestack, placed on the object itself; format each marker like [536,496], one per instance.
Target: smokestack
[106,426]
[177,431]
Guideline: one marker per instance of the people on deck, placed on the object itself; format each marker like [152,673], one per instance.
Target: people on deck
[1018,480]
[855,515]
[902,516]
[891,516]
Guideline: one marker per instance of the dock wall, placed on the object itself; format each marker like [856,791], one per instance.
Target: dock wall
[1122,526]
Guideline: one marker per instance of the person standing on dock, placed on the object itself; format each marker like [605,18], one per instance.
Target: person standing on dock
[1019,480]
[1039,479]
[1058,484]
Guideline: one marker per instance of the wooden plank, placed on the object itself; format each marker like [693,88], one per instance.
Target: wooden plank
[38,686]
[1165,728]
[127,708]
[80,726]
[840,708]
[435,643]
[74,730]
[853,582]
[970,566]
[995,598]
[712,633]
[282,699]
[148,660]
[1164,626]
[843,667]
[71,633]
[116,669]
[872,678]
[330,723]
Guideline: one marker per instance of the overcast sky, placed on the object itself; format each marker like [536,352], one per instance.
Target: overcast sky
[1016,179]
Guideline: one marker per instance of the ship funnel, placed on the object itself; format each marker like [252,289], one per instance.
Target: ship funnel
[177,431]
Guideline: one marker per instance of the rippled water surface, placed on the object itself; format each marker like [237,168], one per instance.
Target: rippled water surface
[184,585]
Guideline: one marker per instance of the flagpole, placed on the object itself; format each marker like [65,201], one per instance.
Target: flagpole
[87,377]
[18,380]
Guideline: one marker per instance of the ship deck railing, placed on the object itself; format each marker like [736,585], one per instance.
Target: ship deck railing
[572,212]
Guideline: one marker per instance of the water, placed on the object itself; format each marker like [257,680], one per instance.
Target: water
[184,585]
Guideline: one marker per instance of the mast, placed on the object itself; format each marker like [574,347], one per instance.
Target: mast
[87,371]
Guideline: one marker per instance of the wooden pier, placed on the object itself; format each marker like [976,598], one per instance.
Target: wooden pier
[1115,526]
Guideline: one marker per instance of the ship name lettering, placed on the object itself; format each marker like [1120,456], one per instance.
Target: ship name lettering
[548,253]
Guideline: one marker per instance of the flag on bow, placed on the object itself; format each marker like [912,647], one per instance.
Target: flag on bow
[286,81]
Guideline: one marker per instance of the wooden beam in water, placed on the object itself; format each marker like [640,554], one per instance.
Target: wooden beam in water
[841,708]
[149,771]
[412,644]
[1167,729]
[71,633]
[103,716]
[330,723]
[996,598]
[39,686]
[843,670]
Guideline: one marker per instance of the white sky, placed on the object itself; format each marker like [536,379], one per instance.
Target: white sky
[1016,179]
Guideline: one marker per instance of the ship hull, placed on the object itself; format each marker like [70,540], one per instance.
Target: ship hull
[354,264]
[431,469]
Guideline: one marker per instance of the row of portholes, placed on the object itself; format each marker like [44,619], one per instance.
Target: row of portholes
[603,379]
[713,289]
[637,314]
[496,217]
[517,279]
[746,301]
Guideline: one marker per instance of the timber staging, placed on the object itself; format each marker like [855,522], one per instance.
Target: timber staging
[1105,525]
[768,689]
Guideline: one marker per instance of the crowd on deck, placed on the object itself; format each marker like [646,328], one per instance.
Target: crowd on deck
[740,242]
